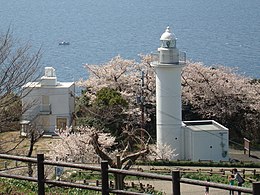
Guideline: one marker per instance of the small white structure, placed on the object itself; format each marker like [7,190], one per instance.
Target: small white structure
[49,104]
[191,140]
[205,140]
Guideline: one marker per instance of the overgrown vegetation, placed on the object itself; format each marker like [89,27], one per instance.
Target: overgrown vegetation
[106,112]
[19,187]
[215,178]
[208,92]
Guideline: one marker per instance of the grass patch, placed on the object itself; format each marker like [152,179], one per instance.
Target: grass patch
[10,139]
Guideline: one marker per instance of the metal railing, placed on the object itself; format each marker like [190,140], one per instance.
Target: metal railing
[104,170]
[35,111]
[182,57]
[45,108]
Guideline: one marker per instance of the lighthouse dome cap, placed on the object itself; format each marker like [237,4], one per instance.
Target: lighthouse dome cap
[167,35]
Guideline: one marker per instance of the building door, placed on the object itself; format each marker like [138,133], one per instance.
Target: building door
[61,123]
[45,123]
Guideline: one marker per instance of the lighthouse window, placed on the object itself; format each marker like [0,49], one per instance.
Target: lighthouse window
[168,43]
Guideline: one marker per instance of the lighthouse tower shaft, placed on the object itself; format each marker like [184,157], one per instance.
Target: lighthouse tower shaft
[168,94]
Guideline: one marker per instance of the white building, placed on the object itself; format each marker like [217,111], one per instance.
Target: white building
[205,140]
[201,140]
[168,93]
[49,104]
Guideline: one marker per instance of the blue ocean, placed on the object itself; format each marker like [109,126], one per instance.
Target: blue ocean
[225,32]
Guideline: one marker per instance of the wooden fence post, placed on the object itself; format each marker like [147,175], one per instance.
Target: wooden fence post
[119,177]
[256,188]
[247,146]
[176,190]
[40,173]
[104,175]
[5,165]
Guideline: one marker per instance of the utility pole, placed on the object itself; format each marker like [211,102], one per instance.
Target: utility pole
[142,104]
[140,101]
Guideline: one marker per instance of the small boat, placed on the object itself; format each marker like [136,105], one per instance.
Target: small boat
[64,43]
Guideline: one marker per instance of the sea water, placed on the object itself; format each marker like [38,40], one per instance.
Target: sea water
[214,32]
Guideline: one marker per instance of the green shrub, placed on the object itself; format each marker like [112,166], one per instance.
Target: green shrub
[200,164]
[14,186]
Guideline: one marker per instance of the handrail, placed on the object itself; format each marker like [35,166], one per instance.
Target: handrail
[37,110]
[141,174]
[216,185]
[175,177]
[34,179]
[73,185]
[72,165]
[19,158]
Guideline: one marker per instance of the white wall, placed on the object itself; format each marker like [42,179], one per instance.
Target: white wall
[60,99]
[168,107]
[205,145]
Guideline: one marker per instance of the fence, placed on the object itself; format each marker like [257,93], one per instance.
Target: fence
[209,171]
[104,170]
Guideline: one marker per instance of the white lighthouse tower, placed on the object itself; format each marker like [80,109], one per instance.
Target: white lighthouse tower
[168,94]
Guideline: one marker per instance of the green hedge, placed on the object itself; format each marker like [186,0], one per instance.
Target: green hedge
[200,164]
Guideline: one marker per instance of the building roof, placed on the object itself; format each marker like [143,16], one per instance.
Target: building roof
[167,35]
[38,85]
[204,125]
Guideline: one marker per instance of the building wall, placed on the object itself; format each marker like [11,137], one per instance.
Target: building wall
[168,107]
[61,105]
[206,145]
[187,143]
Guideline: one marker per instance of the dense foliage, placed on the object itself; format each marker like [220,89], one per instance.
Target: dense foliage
[19,187]
[124,76]
[219,93]
[208,92]
[106,112]
[85,144]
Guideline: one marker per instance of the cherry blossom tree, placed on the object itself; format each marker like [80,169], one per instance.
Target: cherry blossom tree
[85,143]
[209,92]
[125,76]
[163,152]
[219,93]
[122,75]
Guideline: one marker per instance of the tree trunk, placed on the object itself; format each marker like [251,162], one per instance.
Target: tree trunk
[29,154]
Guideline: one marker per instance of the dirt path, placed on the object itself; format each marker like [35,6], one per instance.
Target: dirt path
[186,189]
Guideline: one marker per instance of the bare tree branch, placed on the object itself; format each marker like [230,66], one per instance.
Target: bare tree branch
[17,67]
